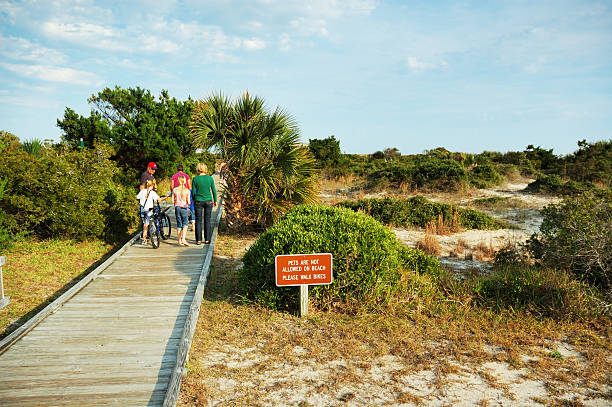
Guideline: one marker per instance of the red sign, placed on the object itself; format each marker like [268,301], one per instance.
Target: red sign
[301,269]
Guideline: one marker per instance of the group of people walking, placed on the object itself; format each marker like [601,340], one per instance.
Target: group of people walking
[193,200]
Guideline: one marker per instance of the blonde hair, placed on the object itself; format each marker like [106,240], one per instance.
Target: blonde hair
[149,183]
[202,168]
[182,187]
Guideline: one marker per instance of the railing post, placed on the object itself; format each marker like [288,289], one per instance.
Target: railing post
[4,301]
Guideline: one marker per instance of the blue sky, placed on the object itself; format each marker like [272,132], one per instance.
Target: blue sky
[414,75]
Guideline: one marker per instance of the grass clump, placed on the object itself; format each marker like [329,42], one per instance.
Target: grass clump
[367,258]
[418,211]
[541,291]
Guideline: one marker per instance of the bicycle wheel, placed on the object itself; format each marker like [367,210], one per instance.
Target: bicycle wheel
[165,226]
[154,234]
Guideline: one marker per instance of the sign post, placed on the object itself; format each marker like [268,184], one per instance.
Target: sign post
[303,270]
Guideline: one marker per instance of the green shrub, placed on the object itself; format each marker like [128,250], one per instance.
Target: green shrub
[553,184]
[542,291]
[484,176]
[431,171]
[5,235]
[367,258]
[577,235]
[63,192]
[418,211]
[325,151]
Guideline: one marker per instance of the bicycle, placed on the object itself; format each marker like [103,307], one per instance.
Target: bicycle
[159,226]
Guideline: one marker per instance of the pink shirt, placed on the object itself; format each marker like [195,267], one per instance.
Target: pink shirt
[181,199]
[175,179]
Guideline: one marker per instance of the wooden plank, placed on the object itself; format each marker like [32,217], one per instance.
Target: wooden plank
[32,322]
[183,353]
[121,341]
[132,398]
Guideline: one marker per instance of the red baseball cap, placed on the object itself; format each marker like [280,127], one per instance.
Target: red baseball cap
[152,165]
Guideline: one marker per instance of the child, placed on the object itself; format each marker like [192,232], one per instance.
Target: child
[147,196]
[181,197]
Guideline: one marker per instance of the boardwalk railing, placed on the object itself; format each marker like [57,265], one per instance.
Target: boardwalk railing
[192,318]
[4,301]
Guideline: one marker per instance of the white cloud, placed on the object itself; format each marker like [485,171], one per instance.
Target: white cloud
[253,44]
[54,74]
[336,8]
[22,49]
[417,65]
[307,27]
[80,32]
[284,42]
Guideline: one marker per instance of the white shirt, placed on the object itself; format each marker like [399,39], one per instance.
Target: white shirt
[147,201]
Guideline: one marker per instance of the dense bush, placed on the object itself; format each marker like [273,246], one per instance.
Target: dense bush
[418,211]
[590,163]
[420,172]
[484,176]
[63,192]
[367,257]
[553,184]
[542,291]
[5,235]
[326,151]
[577,235]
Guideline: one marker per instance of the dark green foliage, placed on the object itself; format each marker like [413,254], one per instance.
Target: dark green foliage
[591,163]
[139,127]
[577,235]
[63,192]
[542,291]
[367,257]
[266,171]
[418,211]
[90,129]
[484,175]
[431,171]
[5,235]
[541,159]
[326,151]
[553,184]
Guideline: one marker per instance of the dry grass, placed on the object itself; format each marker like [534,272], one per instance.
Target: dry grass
[244,355]
[429,244]
[37,272]
[484,251]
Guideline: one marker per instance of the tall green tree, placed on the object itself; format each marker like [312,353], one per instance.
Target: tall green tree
[139,127]
[266,170]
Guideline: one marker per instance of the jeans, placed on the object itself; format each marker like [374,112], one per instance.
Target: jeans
[206,207]
[182,217]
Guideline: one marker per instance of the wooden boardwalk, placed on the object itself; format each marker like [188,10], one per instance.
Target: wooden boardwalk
[115,342]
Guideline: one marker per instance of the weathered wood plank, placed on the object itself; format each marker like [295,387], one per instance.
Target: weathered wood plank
[133,398]
[192,319]
[121,341]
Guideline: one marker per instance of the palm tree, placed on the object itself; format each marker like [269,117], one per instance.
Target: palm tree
[267,171]
[33,147]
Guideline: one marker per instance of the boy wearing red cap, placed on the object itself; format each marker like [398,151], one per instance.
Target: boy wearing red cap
[148,176]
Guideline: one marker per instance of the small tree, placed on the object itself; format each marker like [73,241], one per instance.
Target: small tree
[325,151]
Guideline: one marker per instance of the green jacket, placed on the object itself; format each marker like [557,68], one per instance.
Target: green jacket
[203,185]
